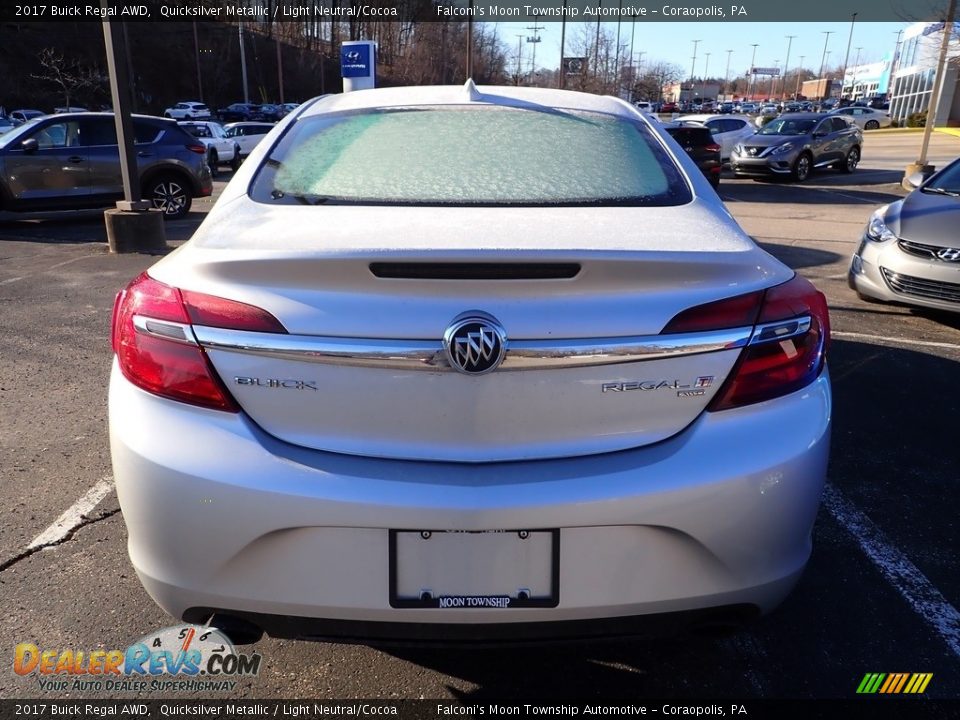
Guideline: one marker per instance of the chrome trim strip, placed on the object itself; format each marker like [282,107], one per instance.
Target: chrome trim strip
[430,355]
[780,330]
[166,329]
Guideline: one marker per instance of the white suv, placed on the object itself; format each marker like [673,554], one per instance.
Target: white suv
[188,111]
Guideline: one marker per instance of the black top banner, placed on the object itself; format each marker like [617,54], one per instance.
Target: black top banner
[268,11]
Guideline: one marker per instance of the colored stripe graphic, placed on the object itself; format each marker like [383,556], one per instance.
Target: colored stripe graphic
[894,683]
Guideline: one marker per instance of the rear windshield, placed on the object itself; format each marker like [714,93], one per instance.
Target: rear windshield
[459,155]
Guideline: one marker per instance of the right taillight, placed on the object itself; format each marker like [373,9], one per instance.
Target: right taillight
[156,348]
[787,350]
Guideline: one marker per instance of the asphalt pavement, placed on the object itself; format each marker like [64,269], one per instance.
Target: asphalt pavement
[880,594]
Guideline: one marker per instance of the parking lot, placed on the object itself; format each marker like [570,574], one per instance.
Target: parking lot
[880,594]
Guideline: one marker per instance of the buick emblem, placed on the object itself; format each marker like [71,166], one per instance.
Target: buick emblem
[949,254]
[475,343]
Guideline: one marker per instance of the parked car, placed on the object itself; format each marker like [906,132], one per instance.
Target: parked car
[220,148]
[727,107]
[64,162]
[748,108]
[644,105]
[188,111]
[910,249]
[695,138]
[465,399]
[728,130]
[239,112]
[71,109]
[271,113]
[21,116]
[864,118]
[6,125]
[792,145]
[247,135]
[289,107]
[669,107]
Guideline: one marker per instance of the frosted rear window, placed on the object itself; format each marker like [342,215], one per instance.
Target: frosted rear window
[469,155]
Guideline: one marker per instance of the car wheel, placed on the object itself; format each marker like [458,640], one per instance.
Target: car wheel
[168,115]
[237,160]
[851,161]
[801,168]
[169,193]
[871,125]
[213,160]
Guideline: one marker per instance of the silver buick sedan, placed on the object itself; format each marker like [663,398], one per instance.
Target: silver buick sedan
[468,363]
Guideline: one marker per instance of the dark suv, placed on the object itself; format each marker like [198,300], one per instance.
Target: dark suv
[71,161]
[697,140]
[239,112]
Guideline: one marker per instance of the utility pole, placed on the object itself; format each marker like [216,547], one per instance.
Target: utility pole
[470,43]
[753,76]
[534,39]
[596,44]
[825,91]
[563,43]
[786,67]
[519,55]
[276,40]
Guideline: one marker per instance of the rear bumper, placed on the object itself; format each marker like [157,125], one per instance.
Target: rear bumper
[222,517]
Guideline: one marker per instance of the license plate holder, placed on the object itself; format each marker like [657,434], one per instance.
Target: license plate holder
[474,569]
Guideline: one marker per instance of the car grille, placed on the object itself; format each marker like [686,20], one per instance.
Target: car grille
[930,252]
[921,287]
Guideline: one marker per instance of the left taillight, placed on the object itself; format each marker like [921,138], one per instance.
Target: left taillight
[156,348]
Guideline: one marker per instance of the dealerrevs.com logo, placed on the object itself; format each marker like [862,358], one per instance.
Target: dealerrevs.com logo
[183,657]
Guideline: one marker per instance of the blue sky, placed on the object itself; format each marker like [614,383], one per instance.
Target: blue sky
[673,42]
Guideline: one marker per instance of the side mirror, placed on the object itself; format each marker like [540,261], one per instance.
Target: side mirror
[30,145]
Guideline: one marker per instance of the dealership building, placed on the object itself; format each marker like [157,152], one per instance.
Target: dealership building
[914,71]
[863,82]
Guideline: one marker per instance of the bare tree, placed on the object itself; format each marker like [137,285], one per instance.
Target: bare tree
[70,76]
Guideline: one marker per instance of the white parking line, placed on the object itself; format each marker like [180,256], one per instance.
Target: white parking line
[885,340]
[74,515]
[897,569]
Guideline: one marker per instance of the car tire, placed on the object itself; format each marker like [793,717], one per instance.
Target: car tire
[802,167]
[237,160]
[168,115]
[851,161]
[871,125]
[170,193]
[213,160]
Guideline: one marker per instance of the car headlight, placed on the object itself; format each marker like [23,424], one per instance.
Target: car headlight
[781,149]
[877,229]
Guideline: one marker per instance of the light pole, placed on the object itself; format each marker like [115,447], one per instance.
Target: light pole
[773,79]
[726,77]
[846,59]
[786,67]
[753,59]
[823,60]
[853,79]
[693,69]
[519,55]
[896,56]
[799,71]
[703,85]
[563,43]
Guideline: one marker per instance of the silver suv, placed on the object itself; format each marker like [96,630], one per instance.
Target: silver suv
[794,144]
[64,162]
